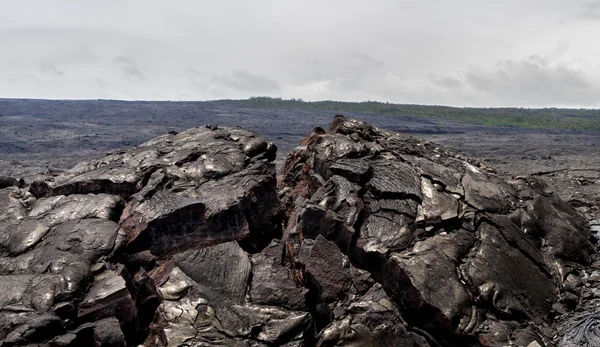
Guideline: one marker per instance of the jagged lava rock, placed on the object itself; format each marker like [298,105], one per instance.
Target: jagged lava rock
[84,253]
[468,258]
[183,240]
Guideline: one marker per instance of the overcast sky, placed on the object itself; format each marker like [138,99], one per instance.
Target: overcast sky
[461,52]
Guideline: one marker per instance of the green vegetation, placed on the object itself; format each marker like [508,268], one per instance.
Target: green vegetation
[551,118]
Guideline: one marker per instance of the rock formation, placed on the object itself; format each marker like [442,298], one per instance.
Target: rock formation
[466,257]
[91,255]
[370,238]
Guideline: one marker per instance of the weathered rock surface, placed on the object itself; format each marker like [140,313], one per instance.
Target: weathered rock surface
[467,257]
[85,254]
[373,239]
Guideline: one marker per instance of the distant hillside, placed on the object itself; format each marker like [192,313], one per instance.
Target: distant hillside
[543,118]
[547,118]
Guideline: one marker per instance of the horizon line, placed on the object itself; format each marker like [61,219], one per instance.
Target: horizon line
[301,100]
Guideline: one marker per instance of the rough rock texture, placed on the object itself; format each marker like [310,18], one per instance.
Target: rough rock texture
[90,256]
[388,241]
[467,257]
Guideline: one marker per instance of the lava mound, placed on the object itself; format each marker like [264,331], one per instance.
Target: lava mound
[366,238]
[466,257]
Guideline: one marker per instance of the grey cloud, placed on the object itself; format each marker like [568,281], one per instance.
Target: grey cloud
[102,83]
[534,80]
[245,81]
[10,80]
[121,59]
[130,68]
[593,5]
[366,60]
[590,10]
[49,67]
[48,48]
[58,33]
[399,51]
[197,79]
[133,73]
[561,49]
[446,82]
[356,73]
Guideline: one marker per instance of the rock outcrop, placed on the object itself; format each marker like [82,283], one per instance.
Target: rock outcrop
[370,238]
[465,256]
[91,255]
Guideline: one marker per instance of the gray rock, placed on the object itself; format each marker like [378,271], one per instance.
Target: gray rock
[582,330]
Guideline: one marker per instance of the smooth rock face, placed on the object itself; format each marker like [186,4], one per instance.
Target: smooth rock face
[463,254]
[185,241]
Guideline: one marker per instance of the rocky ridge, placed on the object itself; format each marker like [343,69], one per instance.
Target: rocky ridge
[367,238]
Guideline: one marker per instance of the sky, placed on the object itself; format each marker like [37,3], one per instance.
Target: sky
[526,53]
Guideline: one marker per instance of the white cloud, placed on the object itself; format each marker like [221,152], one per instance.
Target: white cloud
[465,52]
